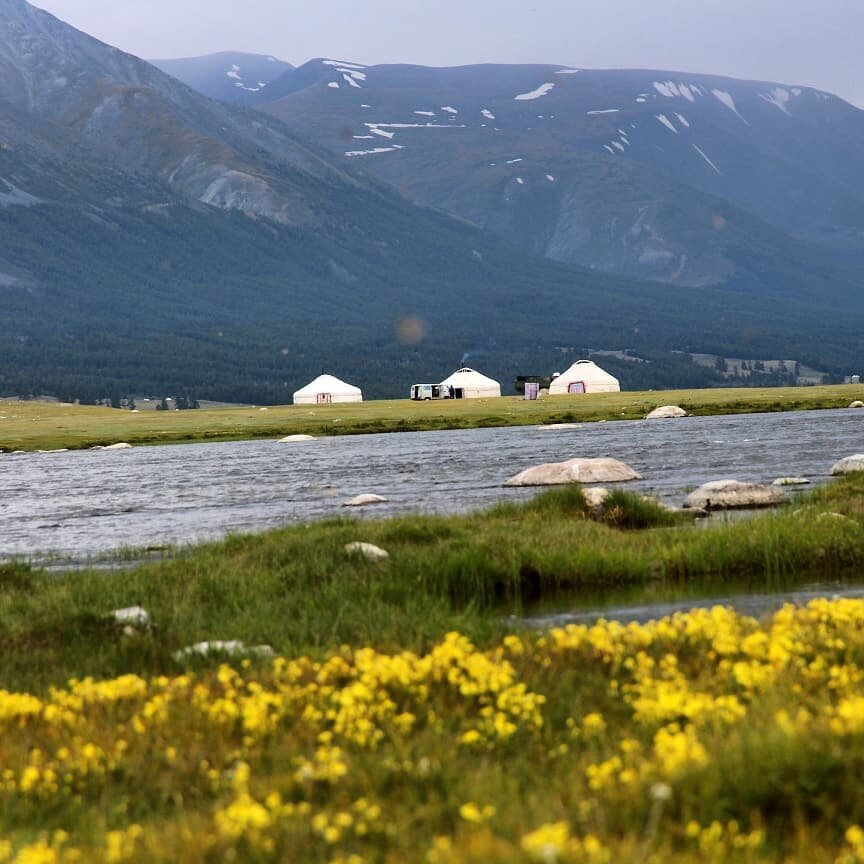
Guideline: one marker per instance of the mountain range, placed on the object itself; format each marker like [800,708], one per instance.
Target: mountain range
[653,174]
[153,238]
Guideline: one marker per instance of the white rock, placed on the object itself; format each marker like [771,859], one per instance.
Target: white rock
[556,427]
[133,616]
[790,481]
[729,494]
[601,470]
[596,496]
[363,500]
[835,517]
[849,464]
[856,404]
[292,439]
[122,445]
[665,412]
[233,647]
[368,550]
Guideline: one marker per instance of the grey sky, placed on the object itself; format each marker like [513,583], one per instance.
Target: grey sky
[793,41]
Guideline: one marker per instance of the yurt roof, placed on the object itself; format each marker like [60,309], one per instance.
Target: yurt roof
[588,369]
[465,375]
[327,384]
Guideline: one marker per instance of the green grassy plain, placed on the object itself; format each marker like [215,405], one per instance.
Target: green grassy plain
[49,426]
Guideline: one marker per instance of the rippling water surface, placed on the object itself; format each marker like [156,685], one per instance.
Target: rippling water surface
[81,504]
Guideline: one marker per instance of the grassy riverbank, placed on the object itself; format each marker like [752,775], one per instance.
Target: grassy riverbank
[383,736]
[298,590]
[48,426]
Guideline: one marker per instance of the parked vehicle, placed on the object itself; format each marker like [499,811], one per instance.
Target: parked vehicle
[421,392]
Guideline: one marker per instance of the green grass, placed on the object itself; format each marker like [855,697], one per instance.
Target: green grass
[299,591]
[48,426]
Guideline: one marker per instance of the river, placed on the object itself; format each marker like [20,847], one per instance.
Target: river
[83,504]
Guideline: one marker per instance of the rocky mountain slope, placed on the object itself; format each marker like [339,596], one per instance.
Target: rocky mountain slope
[153,239]
[662,175]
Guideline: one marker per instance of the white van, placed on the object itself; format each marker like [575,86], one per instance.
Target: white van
[421,392]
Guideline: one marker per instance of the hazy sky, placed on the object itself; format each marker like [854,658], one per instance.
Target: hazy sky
[793,41]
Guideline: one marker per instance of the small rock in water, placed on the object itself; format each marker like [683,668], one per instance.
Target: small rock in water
[790,481]
[731,494]
[368,550]
[849,465]
[557,427]
[122,445]
[363,500]
[666,412]
[575,471]
[856,404]
[293,439]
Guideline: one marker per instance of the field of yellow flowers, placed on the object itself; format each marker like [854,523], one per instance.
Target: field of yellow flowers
[704,736]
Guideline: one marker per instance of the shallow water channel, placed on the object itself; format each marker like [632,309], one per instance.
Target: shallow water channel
[77,506]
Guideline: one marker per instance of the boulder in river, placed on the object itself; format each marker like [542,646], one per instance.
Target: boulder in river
[856,404]
[369,551]
[666,412]
[602,470]
[295,439]
[120,445]
[364,500]
[731,494]
[790,481]
[849,464]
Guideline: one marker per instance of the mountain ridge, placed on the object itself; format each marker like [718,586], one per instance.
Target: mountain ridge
[154,239]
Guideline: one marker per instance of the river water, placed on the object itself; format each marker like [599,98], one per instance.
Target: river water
[85,504]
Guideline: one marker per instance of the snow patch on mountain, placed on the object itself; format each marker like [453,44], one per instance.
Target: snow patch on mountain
[425,113]
[701,152]
[334,85]
[567,71]
[15,197]
[344,63]
[487,114]
[373,152]
[778,96]
[683,120]
[671,90]
[449,109]
[234,72]
[726,99]
[349,80]
[666,122]
[604,111]
[542,90]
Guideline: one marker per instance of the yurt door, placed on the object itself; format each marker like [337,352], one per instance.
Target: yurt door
[323,398]
[576,387]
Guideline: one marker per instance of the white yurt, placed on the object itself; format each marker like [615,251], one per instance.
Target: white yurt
[326,389]
[584,376]
[472,384]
